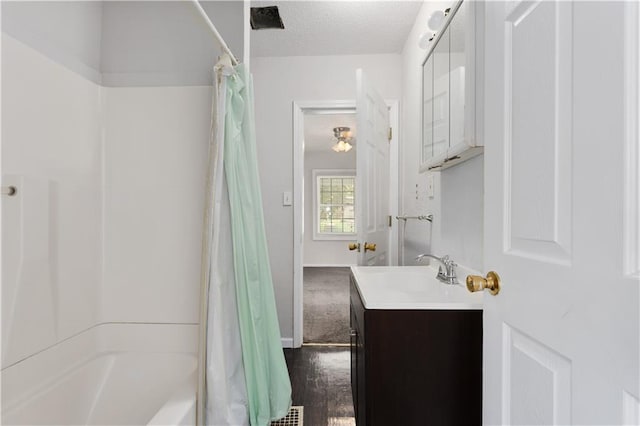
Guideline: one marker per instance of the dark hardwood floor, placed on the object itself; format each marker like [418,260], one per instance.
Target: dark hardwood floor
[320,381]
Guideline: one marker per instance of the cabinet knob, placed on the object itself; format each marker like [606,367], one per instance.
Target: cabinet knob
[353,333]
[369,247]
[478,283]
[354,246]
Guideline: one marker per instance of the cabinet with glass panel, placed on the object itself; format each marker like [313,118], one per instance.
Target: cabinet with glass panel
[451,131]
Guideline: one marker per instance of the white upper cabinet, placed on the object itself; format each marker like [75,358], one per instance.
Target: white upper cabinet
[450,133]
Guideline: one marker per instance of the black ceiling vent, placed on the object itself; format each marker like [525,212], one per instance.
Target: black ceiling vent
[263,18]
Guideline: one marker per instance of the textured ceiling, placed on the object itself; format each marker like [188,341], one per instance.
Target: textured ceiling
[318,130]
[336,27]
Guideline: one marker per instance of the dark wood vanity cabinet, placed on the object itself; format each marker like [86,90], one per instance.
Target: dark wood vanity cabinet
[415,367]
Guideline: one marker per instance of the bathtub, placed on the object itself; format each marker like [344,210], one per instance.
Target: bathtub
[112,374]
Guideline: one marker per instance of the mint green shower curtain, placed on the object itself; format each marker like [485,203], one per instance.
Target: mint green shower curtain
[267,380]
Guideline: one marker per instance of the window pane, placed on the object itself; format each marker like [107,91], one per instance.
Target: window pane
[349,226]
[349,212]
[325,197]
[336,201]
[347,197]
[336,212]
[336,184]
[325,226]
[325,184]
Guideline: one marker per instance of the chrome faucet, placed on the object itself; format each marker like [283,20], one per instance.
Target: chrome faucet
[446,275]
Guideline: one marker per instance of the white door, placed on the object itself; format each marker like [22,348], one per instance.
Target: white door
[561,213]
[372,174]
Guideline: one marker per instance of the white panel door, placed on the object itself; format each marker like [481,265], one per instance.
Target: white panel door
[561,337]
[372,173]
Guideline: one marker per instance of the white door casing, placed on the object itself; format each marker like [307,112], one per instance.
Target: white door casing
[561,337]
[372,179]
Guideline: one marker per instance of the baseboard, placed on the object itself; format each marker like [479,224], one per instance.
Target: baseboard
[329,266]
[287,342]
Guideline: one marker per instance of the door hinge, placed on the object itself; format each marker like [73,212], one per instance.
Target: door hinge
[390,134]
[390,222]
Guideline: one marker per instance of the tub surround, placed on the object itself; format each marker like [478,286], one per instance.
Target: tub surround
[146,370]
[51,228]
[101,244]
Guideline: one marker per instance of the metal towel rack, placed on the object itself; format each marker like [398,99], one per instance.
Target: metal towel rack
[428,218]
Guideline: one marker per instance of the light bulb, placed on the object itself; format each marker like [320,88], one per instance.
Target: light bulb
[425,39]
[435,20]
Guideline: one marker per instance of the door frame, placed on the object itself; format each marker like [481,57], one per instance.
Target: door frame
[331,107]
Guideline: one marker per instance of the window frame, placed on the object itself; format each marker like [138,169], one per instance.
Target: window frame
[323,173]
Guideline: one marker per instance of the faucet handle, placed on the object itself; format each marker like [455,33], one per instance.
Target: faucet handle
[447,260]
[449,265]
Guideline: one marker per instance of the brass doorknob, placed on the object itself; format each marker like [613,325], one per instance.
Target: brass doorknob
[354,246]
[478,283]
[369,247]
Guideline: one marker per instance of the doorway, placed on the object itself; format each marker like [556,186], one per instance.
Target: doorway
[330,145]
[328,289]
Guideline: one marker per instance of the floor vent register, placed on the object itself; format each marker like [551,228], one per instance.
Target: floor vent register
[294,418]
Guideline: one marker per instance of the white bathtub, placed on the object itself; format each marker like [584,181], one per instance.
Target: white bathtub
[113,374]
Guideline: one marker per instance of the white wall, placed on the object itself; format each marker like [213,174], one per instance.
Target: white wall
[166,43]
[128,43]
[67,32]
[457,203]
[52,228]
[324,252]
[155,174]
[278,81]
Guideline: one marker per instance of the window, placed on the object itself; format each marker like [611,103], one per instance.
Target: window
[334,207]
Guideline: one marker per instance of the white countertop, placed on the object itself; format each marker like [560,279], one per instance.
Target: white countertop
[412,287]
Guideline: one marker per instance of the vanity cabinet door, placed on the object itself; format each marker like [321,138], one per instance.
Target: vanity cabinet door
[358,373]
[353,344]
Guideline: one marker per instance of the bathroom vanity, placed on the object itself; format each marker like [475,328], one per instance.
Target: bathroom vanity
[416,348]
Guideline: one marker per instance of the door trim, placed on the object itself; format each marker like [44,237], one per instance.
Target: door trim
[330,107]
[632,156]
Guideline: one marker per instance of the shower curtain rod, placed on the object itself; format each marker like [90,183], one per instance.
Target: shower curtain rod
[215,32]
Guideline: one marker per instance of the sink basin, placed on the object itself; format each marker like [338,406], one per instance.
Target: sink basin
[411,287]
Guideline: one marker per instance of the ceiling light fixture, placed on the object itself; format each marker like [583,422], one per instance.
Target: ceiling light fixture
[343,136]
